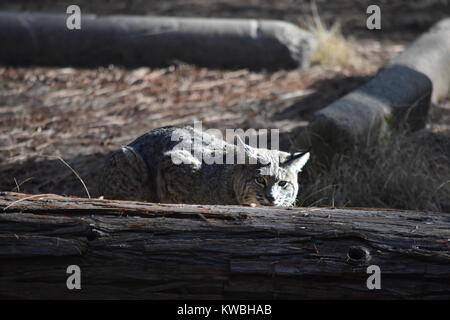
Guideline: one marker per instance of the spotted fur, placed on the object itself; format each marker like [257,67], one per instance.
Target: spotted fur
[154,168]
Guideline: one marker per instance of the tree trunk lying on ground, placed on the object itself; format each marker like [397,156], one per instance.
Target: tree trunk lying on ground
[163,251]
[397,97]
[134,41]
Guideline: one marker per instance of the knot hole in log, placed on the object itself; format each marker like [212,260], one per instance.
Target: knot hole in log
[358,255]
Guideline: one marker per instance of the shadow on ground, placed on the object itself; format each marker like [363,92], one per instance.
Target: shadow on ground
[40,175]
[324,92]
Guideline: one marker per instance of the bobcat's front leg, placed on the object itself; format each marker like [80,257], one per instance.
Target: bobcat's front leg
[176,177]
[126,177]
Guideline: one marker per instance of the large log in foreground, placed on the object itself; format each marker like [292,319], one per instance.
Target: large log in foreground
[160,251]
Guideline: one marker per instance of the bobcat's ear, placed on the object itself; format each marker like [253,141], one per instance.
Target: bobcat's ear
[297,161]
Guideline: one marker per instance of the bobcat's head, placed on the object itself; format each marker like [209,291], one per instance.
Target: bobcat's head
[273,181]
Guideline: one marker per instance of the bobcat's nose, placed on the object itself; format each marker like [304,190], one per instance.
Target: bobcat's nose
[270,199]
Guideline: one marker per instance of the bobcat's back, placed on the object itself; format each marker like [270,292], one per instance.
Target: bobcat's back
[169,165]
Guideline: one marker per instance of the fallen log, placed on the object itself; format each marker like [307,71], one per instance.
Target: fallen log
[138,250]
[134,41]
[398,97]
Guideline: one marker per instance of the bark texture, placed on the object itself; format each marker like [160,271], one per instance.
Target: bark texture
[164,251]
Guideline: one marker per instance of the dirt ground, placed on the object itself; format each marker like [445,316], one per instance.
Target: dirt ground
[80,115]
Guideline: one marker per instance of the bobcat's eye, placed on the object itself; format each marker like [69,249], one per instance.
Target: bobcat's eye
[260,180]
[282,183]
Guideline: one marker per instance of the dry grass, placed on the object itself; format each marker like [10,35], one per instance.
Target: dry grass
[333,49]
[402,172]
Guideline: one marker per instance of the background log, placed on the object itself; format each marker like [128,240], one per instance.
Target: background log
[134,41]
[162,251]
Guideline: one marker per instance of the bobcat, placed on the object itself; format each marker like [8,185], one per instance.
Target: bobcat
[158,168]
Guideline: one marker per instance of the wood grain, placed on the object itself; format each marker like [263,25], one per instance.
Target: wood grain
[133,250]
